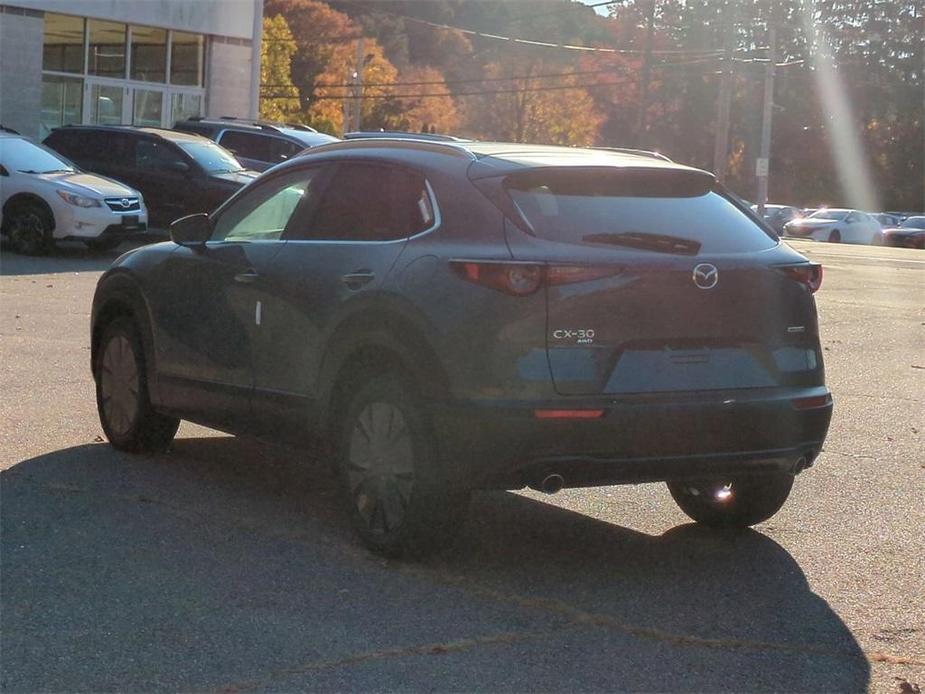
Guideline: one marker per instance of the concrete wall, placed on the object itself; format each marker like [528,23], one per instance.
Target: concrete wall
[21,35]
[234,18]
[228,79]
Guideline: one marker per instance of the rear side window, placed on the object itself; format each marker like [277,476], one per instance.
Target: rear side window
[372,202]
[655,210]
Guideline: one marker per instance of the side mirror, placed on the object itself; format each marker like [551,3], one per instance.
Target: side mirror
[191,231]
[3,171]
[179,166]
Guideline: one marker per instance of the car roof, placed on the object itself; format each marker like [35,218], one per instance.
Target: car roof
[173,135]
[487,159]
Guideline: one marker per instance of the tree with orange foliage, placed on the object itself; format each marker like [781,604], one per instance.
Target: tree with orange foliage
[526,109]
[418,112]
[324,62]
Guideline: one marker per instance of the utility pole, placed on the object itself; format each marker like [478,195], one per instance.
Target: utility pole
[348,113]
[358,87]
[644,75]
[762,168]
[724,102]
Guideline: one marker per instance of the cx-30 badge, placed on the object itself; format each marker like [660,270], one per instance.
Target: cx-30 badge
[705,276]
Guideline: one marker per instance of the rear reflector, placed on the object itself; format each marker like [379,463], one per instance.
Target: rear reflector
[807,274]
[568,414]
[811,403]
[522,279]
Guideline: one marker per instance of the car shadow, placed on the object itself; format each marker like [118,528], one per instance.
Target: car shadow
[227,563]
[67,257]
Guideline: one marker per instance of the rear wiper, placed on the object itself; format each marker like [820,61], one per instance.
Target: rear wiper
[659,243]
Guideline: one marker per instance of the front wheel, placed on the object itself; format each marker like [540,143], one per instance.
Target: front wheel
[122,399]
[30,230]
[736,503]
[399,492]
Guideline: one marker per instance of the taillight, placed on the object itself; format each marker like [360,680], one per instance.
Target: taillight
[807,274]
[521,279]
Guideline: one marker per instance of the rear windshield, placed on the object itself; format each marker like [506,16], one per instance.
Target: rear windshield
[661,211]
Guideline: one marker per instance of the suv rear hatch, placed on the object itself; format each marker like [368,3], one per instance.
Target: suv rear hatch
[687,291]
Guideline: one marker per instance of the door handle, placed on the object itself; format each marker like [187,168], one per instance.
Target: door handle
[355,280]
[247,277]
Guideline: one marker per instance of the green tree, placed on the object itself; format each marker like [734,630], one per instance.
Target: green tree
[279,96]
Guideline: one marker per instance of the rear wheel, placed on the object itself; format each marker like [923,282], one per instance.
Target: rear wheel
[736,503]
[29,229]
[835,237]
[399,494]
[122,398]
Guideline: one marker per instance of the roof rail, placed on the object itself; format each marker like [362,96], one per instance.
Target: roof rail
[638,152]
[265,123]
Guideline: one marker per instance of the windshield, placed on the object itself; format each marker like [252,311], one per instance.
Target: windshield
[837,215]
[17,154]
[210,156]
[914,223]
[669,212]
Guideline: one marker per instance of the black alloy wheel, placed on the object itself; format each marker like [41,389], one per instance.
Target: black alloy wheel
[126,414]
[30,230]
[399,496]
[735,503]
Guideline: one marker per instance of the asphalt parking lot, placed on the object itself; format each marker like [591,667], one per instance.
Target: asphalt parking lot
[225,564]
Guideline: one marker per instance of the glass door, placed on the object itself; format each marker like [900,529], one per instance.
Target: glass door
[148,107]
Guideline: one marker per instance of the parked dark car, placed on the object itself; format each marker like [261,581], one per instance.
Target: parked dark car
[776,216]
[177,173]
[258,145]
[450,317]
[909,234]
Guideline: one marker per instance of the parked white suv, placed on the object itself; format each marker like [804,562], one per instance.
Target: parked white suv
[44,198]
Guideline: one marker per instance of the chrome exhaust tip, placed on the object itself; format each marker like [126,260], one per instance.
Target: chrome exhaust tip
[552,484]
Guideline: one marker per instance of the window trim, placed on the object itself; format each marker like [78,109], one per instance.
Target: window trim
[438,218]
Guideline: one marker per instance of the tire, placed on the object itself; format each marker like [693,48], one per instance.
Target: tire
[736,503]
[122,399]
[835,237]
[29,229]
[398,491]
[102,245]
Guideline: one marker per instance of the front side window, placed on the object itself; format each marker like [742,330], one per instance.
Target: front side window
[264,213]
[212,158]
[247,145]
[372,202]
[158,156]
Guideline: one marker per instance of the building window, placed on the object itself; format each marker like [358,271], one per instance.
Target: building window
[61,103]
[149,54]
[107,48]
[186,58]
[183,106]
[147,107]
[63,50]
[106,105]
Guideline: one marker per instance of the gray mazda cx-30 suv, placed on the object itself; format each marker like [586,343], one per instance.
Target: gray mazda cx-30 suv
[460,316]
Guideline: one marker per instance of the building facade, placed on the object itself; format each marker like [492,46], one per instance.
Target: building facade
[139,62]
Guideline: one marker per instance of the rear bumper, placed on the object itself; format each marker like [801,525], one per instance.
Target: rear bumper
[638,438]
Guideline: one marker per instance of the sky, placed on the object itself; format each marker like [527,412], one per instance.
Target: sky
[600,10]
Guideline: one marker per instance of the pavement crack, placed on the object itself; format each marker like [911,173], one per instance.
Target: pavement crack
[433,649]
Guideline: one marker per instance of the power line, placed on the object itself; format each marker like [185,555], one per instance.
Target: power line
[476,80]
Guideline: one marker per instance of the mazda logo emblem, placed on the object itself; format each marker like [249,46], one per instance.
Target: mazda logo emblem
[705,276]
[126,203]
